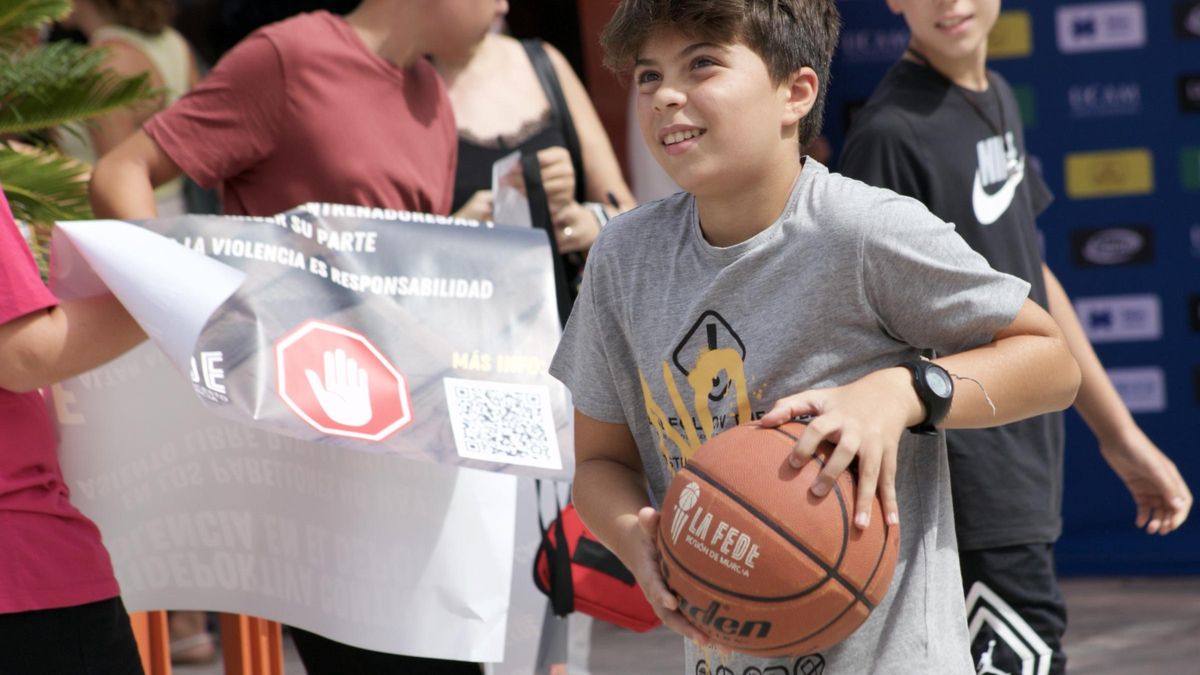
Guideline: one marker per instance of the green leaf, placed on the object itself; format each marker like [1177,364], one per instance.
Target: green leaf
[60,83]
[44,86]
[44,186]
[17,17]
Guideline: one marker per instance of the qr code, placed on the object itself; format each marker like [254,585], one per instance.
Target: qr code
[500,422]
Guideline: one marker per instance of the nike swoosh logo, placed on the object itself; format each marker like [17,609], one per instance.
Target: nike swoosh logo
[989,207]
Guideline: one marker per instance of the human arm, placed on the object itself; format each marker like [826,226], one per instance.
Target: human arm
[49,345]
[123,181]
[1162,497]
[1025,370]
[601,169]
[108,130]
[223,127]
[610,496]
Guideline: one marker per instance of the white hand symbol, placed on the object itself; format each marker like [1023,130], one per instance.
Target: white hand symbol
[344,394]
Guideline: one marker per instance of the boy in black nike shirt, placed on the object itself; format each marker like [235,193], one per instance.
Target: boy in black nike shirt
[943,129]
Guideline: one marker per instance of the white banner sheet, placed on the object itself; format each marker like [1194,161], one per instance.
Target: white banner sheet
[301,440]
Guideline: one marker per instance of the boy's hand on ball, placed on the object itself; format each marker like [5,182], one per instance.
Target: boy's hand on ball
[863,420]
[649,578]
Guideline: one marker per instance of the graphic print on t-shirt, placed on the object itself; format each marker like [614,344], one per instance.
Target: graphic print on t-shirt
[1001,164]
[709,364]
[810,664]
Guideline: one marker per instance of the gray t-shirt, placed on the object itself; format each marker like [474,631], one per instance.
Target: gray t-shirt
[679,340]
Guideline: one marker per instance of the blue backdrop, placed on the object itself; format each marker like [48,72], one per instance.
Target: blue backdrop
[1110,97]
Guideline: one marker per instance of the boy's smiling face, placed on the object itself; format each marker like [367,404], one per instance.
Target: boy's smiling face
[710,113]
[951,29]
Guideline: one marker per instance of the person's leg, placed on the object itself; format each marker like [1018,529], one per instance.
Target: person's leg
[191,641]
[322,656]
[1015,610]
[91,639]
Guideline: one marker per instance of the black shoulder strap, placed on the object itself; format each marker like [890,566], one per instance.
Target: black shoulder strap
[559,109]
[558,558]
[539,211]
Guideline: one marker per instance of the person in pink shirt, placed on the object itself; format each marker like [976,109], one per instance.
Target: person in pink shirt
[60,608]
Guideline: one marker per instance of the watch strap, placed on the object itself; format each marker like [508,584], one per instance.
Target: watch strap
[936,406]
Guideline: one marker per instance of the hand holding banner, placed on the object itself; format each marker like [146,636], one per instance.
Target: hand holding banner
[335,344]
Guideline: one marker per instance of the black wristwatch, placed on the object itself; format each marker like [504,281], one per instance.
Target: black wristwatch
[935,388]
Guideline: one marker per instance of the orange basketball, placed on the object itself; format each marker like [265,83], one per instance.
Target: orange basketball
[758,563]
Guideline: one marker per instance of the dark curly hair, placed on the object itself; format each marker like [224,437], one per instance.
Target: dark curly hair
[145,16]
[786,34]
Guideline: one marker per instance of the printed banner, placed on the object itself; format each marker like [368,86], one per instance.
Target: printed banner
[348,370]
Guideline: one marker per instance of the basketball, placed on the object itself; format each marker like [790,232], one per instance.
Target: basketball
[760,564]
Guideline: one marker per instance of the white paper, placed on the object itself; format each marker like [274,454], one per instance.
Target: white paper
[201,512]
[510,206]
[170,290]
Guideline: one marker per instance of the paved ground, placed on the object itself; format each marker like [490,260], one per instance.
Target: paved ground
[1134,626]
[1117,627]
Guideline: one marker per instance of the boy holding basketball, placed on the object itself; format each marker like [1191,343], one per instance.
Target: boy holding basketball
[774,289]
[945,130]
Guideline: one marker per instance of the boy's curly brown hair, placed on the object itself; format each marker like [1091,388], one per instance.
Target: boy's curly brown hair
[145,16]
[786,34]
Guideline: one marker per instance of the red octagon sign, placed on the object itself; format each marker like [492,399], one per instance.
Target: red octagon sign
[339,383]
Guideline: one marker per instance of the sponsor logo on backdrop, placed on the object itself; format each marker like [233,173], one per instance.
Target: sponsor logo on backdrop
[1027,104]
[1187,19]
[1104,99]
[1100,26]
[1194,311]
[1011,37]
[1121,318]
[1189,92]
[1143,389]
[1110,246]
[1189,167]
[873,45]
[1109,173]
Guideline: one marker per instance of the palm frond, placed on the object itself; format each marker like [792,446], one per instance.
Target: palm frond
[18,17]
[43,86]
[61,83]
[43,186]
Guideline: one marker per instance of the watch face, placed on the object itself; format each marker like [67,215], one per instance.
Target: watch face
[939,382]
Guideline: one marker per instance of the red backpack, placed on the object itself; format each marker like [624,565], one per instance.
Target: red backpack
[588,577]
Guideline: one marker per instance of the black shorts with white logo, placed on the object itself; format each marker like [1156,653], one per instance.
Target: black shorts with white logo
[1015,610]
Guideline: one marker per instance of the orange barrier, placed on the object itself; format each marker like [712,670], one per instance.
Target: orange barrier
[150,631]
[249,645]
